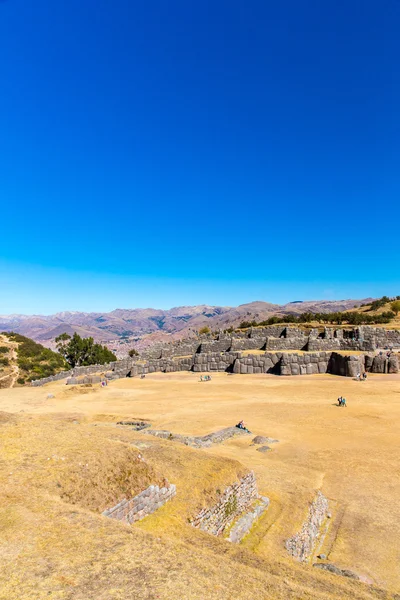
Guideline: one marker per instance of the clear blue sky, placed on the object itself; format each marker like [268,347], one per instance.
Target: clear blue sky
[168,153]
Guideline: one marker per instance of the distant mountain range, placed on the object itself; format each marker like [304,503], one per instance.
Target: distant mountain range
[121,329]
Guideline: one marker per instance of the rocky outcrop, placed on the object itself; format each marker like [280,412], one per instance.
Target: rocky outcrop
[334,569]
[301,545]
[260,439]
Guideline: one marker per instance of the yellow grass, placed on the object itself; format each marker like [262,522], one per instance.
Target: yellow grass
[54,539]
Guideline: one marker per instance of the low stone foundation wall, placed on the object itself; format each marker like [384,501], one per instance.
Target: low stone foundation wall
[204,441]
[302,545]
[143,504]
[236,499]
[245,523]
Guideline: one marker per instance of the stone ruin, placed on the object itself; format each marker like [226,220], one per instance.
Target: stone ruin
[239,506]
[142,505]
[320,351]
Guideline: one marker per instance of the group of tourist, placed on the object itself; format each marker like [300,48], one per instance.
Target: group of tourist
[205,378]
[341,401]
[362,377]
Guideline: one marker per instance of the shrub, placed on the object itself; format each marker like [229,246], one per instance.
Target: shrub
[34,360]
[4,361]
[204,330]
[133,353]
[4,349]
[395,306]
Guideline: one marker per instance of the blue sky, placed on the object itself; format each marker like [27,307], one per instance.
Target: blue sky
[169,153]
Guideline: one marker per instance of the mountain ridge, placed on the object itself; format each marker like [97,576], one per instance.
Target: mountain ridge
[139,327]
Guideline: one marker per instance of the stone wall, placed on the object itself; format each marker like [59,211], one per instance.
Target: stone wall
[304,364]
[203,441]
[257,363]
[236,499]
[322,345]
[213,361]
[215,346]
[282,343]
[246,522]
[302,545]
[58,377]
[225,354]
[143,504]
[256,343]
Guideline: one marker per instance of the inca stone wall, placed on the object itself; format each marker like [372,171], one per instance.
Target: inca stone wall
[204,441]
[226,354]
[292,343]
[245,523]
[236,499]
[143,504]
[302,545]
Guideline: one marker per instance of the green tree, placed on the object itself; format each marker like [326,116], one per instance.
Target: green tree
[133,353]
[395,306]
[80,352]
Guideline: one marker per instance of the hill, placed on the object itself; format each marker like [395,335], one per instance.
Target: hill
[121,329]
[22,359]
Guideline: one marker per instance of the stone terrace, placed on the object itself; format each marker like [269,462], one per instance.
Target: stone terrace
[321,352]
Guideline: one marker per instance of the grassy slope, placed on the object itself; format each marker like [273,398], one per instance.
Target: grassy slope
[58,473]
[28,360]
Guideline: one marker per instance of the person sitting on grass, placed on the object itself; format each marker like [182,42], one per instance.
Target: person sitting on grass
[241,425]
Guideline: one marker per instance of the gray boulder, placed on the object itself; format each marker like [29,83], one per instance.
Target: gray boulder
[264,449]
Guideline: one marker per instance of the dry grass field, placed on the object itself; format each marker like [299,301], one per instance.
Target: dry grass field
[63,460]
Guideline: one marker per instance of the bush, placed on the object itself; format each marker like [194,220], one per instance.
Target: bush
[21,380]
[395,306]
[4,349]
[4,361]
[133,353]
[204,330]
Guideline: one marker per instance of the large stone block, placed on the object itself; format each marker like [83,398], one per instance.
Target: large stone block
[393,364]
[379,365]
[294,368]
